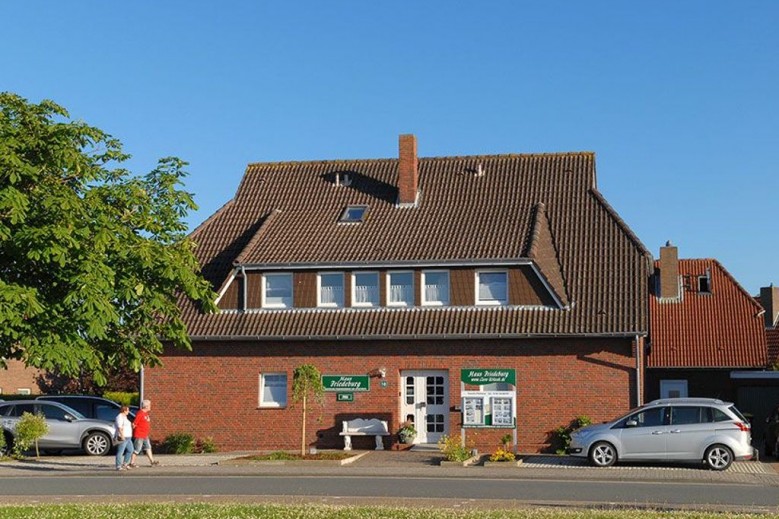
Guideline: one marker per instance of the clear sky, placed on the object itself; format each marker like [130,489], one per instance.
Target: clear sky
[678,99]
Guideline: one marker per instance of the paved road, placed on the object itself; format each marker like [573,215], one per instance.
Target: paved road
[394,478]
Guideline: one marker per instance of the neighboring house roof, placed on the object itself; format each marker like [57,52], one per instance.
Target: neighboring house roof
[544,209]
[772,338]
[720,329]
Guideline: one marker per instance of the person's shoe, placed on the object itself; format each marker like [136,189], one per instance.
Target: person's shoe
[120,468]
[155,463]
[132,466]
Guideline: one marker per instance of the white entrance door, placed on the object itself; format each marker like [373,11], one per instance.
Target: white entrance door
[673,388]
[425,401]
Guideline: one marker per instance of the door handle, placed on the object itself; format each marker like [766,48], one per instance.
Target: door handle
[657,432]
[676,431]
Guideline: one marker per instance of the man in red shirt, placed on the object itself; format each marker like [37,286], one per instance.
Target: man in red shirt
[141,430]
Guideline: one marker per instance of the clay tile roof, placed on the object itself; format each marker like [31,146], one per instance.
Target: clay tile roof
[720,329]
[544,208]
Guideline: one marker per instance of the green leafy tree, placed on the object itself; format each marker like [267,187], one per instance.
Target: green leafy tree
[93,259]
[29,429]
[306,385]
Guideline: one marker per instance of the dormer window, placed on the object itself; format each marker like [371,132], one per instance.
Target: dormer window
[365,289]
[330,288]
[704,285]
[354,214]
[435,287]
[492,287]
[277,291]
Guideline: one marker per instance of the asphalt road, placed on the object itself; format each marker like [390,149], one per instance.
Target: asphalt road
[407,490]
[393,478]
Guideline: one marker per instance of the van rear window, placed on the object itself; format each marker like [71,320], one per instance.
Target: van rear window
[736,412]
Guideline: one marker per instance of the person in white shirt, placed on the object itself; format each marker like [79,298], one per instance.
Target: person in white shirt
[124,435]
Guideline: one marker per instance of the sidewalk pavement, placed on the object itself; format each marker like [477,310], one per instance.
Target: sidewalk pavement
[425,463]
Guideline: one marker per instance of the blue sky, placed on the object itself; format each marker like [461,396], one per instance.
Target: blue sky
[678,99]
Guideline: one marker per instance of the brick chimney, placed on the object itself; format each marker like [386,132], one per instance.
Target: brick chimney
[408,171]
[669,271]
[769,298]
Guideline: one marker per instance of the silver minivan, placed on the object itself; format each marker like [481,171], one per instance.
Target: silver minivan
[671,429]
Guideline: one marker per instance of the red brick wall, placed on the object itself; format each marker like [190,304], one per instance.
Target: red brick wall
[17,376]
[213,391]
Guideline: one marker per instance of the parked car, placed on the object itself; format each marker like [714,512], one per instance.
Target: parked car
[68,429]
[671,429]
[771,438]
[90,406]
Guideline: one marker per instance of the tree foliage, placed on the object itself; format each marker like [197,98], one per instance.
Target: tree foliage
[306,384]
[93,259]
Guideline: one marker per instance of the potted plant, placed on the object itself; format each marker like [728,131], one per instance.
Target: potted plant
[407,433]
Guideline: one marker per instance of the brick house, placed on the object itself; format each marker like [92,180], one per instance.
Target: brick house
[18,379]
[398,276]
[706,333]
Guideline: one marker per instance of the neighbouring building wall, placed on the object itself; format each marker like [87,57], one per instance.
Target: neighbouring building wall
[18,379]
[708,383]
[213,390]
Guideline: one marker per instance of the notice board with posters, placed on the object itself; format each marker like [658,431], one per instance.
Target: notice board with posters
[493,404]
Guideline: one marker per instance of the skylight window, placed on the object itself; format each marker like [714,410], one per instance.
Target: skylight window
[354,214]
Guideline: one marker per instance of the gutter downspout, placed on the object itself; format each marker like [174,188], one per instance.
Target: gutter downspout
[244,288]
[639,353]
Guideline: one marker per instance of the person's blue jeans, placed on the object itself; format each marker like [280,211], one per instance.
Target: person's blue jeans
[124,450]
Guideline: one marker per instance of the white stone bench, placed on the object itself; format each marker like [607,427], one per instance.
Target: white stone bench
[364,427]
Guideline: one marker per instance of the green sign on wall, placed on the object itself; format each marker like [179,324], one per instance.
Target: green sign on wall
[345,383]
[344,397]
[484,376]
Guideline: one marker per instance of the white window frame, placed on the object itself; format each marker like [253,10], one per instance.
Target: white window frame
[289,301]
[439,302]
[275,404]
[390,302]
[376,300]
[319,303]
[491,302]
[23,391]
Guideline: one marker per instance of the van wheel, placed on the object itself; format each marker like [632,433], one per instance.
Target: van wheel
[603,454]
[718,457]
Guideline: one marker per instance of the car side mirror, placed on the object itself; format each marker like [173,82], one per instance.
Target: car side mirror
[631,423]
[69,417]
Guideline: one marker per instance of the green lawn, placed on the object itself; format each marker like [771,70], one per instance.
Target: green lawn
[232,511]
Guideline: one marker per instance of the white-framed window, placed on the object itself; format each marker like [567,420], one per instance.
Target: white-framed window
[400,288]
[273,390]
[492,287]
[435,287]
[277,290]
[23,391]
[673,388]
[365,289]
[330,289]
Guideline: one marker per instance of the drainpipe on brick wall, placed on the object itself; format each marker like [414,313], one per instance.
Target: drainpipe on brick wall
[140,386]
[639,354]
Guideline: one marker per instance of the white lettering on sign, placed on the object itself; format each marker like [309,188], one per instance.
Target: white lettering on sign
[345,382]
